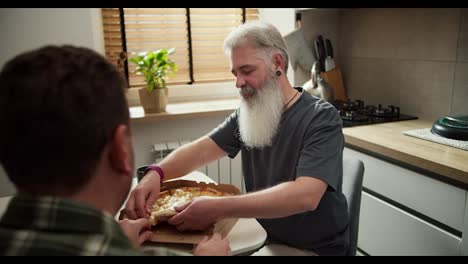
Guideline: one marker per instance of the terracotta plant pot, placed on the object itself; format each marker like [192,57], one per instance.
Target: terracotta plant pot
[154,102]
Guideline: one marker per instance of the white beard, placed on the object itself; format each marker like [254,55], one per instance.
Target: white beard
[260,114]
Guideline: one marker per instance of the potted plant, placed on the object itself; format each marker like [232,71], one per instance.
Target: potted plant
[156,66]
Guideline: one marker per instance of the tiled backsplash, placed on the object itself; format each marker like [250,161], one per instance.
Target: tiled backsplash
[463,38]
[415,58]
[460,95]
[408,57]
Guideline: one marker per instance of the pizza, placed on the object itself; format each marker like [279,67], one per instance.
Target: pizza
[164,207]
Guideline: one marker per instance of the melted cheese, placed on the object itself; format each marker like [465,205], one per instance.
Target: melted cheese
[165,205]
[170,201]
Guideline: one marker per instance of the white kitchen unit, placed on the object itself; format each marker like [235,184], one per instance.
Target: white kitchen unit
[425,216]
[414,199]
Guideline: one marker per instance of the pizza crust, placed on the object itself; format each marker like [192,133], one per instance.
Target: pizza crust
[164,207]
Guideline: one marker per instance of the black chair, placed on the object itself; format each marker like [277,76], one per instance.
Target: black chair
[353,174]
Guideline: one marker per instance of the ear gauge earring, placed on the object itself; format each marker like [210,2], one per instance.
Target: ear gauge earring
[278,73]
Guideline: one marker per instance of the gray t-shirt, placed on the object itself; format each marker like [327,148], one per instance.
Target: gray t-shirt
[309,142]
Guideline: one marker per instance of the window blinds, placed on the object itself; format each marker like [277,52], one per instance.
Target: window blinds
[196,33]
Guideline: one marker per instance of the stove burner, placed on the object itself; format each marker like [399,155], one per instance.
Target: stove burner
[388,112]
[355,113]
[352,106]
[354,116]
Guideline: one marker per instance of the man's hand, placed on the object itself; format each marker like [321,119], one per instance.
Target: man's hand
[199,214]
[213,246]
[143,197]
[137,231]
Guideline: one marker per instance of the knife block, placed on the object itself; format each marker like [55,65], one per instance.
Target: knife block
[335,79]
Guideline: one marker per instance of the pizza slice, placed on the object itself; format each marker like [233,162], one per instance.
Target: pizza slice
[164,207]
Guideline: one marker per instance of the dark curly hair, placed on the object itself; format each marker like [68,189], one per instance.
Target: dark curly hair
[59,106]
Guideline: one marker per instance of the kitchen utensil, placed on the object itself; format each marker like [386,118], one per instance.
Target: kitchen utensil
[335,79]
[461,120]
[316,51]
[321,54]
[329,61]
[454,127]
[317,55]
[317,86]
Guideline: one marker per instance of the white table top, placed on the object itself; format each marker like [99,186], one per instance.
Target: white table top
[246,235]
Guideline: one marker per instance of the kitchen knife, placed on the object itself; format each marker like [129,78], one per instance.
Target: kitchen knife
[329,48]
[320,49]
[329,61]
[317,54]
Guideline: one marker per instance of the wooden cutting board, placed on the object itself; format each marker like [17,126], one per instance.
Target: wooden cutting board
[335,79]
[169,234]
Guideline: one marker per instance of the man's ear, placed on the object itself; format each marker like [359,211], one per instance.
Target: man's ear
[278,61]
[120,156]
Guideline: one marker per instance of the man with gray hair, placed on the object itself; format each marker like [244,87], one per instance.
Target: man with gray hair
[292,151]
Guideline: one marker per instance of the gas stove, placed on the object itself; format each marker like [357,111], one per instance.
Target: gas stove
[356,113]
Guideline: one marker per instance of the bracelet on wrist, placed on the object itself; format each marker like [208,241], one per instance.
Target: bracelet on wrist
[158,169]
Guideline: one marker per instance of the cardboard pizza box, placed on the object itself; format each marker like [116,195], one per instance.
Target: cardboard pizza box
[167,233]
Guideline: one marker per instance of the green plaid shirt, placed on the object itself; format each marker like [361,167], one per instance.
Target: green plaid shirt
[55,226]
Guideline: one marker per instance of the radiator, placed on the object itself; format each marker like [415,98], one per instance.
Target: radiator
[224,171]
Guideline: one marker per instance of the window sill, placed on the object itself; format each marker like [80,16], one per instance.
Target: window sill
[183,110]
[190,93]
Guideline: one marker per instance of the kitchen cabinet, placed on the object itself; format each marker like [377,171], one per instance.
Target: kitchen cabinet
[408,213]
[388,230]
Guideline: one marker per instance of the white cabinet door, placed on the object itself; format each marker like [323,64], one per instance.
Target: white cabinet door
[435,199]
[464,245]
[387,230]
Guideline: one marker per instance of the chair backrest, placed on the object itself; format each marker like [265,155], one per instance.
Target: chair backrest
[353,174]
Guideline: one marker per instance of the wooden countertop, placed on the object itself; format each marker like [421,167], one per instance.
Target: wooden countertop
[388,141]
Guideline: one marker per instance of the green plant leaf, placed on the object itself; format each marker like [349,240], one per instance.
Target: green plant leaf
[135,60]
[161,55]
[156,66]
[161,63]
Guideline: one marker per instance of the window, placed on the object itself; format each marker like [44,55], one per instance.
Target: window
[196,33]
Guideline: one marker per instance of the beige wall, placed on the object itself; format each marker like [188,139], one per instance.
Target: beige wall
[25,29]
[414,58]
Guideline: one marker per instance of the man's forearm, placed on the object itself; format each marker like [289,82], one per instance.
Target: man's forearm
[190,157]
[279,201]
[179,162]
